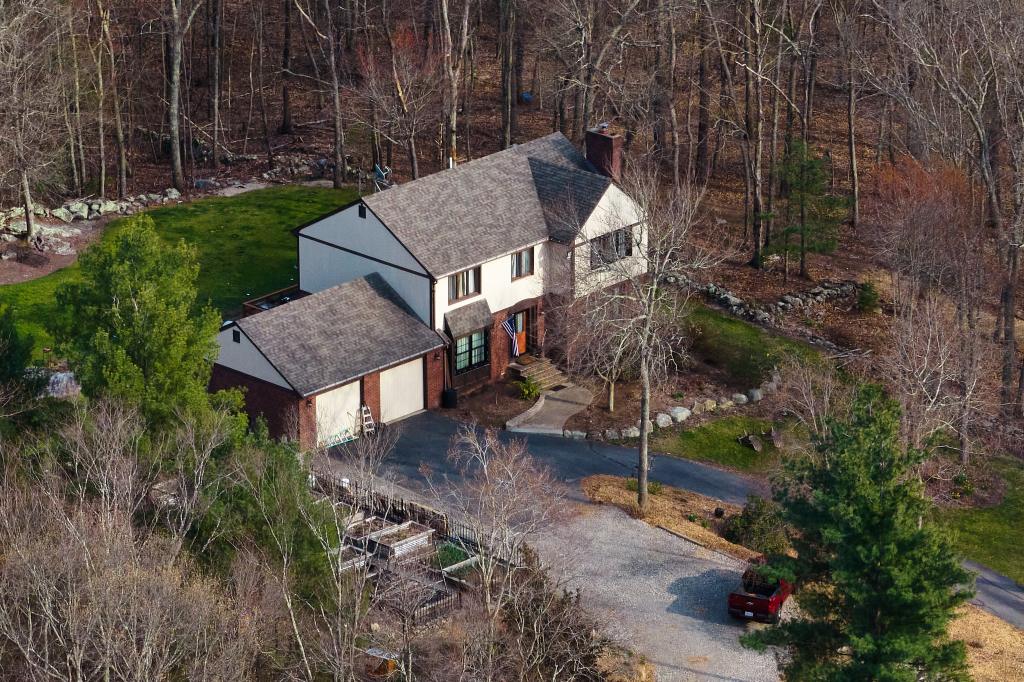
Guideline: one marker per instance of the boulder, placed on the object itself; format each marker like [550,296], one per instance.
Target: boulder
[754,395]
[709,405]
[739,398]
[613,434]
[663,420]
[575,435]
[107,206]
[631,432]
[62,214]
[8,255]
[679,414]
[751,441]
[650,426]
[172,193]
[206,184]
[725,404]
[79,210]
[18,227]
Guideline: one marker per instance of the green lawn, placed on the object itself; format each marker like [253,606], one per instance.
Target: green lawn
[245,248]
[994,536]
[745,352]
[716,442]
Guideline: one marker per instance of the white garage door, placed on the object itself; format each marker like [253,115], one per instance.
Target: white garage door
[401,391]
[337,414]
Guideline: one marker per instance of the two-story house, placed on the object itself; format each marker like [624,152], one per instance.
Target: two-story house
[432,285]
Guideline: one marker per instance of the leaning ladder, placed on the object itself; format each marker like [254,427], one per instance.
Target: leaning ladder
[368,425]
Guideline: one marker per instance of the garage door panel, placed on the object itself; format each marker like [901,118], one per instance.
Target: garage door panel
[401,390]
[337,414]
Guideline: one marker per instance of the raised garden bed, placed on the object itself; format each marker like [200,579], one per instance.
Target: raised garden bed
[351,558]
[405,538]
[361,533]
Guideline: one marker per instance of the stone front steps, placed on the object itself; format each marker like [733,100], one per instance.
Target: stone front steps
[540,370]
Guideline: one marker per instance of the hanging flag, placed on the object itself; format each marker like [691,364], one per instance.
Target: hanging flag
[510,327]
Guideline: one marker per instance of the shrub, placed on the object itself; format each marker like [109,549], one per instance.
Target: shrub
[962,486]
[758,527]
[867,298]
[529,389]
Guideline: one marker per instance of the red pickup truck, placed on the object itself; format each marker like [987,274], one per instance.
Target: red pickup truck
[759,599]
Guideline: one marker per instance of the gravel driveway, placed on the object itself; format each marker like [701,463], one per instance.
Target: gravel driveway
[658,594]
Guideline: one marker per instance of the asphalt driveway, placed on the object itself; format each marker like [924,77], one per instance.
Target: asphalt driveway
[425,439]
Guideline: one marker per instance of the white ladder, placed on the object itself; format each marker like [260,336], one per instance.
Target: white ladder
[368,425]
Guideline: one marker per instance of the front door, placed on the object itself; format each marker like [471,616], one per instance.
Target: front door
[520,322]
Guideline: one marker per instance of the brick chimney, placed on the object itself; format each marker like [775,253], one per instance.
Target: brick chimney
[604,151]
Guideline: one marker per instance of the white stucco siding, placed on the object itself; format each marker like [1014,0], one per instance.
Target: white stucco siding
[337,414]
[364,235]
[244,357]
[497,286]
[322,266]
[615,210]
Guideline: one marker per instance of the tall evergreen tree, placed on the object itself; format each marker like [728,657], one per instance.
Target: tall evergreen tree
[879,584]
[132,327]
[811,214]
[15,347]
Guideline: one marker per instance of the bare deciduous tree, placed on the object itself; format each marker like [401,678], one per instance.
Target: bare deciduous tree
[504,499]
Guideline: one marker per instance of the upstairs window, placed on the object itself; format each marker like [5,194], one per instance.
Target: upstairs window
[611,247]
[522,263]
[463,284]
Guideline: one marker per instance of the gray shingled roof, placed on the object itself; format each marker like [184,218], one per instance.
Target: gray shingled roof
[339,334]
[468,318]
[466,215]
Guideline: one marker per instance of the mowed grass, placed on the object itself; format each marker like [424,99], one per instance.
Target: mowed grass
[744,351]
[993,536]
[244,242]
[717,442]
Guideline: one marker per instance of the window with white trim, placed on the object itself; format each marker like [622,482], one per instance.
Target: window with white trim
[522,263]
[471,351]
[611,247]
[463,284]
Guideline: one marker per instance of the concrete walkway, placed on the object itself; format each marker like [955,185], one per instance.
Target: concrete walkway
[552,410]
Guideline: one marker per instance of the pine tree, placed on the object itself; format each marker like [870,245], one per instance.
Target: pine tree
[878,583]
[132,327]
[15,348]
[812,215]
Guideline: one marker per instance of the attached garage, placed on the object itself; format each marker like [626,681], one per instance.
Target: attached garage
[337,414]
[401,390]
[327,355]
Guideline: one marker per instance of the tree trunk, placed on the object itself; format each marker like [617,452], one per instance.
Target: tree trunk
[506,51]
[611,396]
[173,97]
[215,80]
[119,137]
[851,120]
[339,132]
[26,200]
[286,69]
[643,454]
[703,101]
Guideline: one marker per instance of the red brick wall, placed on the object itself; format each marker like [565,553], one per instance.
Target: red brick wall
[285,412]
[499,347]
[500,341]
[435,378]
[371,394]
